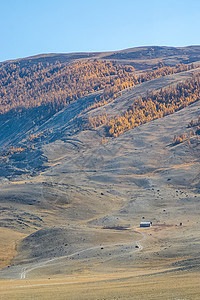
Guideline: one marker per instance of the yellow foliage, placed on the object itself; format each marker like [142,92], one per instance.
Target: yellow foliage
[151,107]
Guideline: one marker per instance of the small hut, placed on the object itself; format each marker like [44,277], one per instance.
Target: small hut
[145,224]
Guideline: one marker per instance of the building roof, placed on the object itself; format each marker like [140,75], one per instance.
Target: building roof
[145,222]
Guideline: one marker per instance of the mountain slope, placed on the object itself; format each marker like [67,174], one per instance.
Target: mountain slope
[80,201]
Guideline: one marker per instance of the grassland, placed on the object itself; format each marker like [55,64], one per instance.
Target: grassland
[9,239]
[112,286]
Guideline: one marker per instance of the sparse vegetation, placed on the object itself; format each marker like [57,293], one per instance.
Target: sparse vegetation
[94,122]
[36,136]
[194,123]
[180,139]
[16,150]
[187,136]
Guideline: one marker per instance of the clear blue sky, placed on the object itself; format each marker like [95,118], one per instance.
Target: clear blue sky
[30,27]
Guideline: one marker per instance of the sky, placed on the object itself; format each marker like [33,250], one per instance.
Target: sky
[30,27]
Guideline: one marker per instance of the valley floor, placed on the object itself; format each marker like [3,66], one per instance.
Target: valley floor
[175,285]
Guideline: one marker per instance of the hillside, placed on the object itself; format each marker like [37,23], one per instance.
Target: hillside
[72,195]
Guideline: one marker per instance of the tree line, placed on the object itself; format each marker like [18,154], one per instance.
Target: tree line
[127,80]
[53,86]
[150,107]
[50,87]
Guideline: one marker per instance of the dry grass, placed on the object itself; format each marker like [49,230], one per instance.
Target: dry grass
[163,286]
[8,240]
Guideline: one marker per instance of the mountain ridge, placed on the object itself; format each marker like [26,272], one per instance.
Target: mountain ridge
[93,54]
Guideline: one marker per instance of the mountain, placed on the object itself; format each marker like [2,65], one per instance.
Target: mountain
[72,192]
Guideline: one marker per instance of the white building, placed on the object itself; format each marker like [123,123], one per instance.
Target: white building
[145,224]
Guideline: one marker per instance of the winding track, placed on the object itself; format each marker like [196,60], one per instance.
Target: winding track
[25,270]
